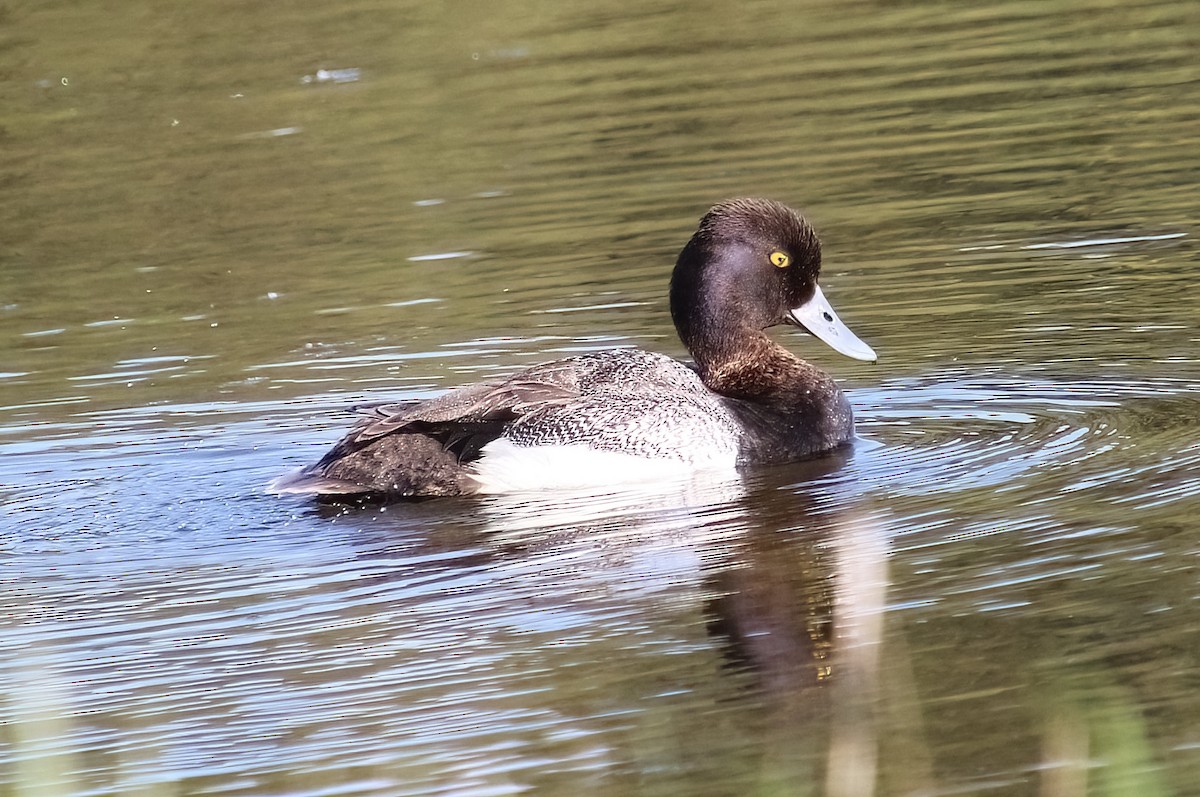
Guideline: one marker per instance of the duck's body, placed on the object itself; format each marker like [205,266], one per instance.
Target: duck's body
[627,415]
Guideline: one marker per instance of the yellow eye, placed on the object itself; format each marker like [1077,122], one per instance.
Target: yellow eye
[780,259]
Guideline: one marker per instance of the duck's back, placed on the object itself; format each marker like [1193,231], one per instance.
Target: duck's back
[598,417]
[634,402]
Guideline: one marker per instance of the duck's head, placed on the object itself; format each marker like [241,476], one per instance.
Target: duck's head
[753,264]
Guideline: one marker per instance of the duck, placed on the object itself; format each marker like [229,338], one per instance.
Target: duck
[628,415]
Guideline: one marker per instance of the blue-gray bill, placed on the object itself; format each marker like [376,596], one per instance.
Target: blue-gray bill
[817,316]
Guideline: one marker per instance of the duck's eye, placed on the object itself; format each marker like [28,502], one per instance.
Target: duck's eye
[780,259]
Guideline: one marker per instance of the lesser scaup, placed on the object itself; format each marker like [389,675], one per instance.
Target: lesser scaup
[626,414]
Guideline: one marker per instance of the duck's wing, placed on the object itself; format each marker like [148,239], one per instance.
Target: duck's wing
[425,447]
[467,409]
[419,447]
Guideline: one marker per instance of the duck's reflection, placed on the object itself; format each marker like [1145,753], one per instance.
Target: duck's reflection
[772,604]
[800,607]
[786,570]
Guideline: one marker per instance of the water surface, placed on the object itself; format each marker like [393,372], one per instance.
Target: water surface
[222,225]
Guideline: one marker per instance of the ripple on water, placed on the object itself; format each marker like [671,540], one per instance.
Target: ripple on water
[167,636]
[350,650]
[317,646]
[1068,471]
[960,431]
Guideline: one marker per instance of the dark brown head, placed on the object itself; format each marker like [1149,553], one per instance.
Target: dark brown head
[752,264]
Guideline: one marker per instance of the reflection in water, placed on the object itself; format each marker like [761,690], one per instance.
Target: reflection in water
[790,584]
[802,606]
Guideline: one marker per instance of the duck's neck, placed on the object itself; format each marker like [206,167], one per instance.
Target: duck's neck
[800,408]
[751,366]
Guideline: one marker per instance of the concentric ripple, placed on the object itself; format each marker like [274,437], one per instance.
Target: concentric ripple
[958,431]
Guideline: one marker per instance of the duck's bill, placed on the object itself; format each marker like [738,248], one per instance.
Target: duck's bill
[817,316]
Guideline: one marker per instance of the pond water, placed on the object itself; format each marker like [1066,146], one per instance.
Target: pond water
[222,224]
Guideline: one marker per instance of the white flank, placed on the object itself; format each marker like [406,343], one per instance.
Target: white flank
[505,467]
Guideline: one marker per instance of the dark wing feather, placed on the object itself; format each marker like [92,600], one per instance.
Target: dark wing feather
[488,404]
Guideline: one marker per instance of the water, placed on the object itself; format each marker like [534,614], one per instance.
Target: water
[221,226]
